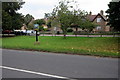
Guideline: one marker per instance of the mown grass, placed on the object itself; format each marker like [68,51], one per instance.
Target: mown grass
[100,46]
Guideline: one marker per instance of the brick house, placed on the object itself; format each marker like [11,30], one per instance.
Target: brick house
[100,19]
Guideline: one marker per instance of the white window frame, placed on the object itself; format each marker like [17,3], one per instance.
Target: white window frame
[98,19]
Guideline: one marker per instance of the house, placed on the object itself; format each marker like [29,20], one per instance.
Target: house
[100,19]
[24,27]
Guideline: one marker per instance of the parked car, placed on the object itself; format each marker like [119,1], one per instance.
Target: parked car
[25,32]
[7,32]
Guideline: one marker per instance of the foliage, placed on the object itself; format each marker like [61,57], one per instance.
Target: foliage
[27,19]
[62,14]
[68,16]
[114,15]
[55,23]
[49,24]
[47,15]
[69,30]
[89,26]
[78,18]
[31,25]
[10,18]
[40,22]
[41,28]
[6,21]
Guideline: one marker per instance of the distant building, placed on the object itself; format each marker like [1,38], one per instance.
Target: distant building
[24,27]
[100,19]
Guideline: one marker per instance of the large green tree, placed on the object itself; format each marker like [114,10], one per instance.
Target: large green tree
[68,15]
[114,15]
[78,18]
[62,14]
[11,19]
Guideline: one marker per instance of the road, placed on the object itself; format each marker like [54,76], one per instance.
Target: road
[33,64]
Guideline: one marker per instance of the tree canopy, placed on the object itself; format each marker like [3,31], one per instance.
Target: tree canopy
[40,22]
[89,26]
[78,18]
[63,15]
[67,15]
[11,19]
[114,15]
[27,19]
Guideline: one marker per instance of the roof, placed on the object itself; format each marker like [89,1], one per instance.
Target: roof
[93,17]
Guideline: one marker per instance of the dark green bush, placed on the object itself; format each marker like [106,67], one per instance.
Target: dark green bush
[70,30]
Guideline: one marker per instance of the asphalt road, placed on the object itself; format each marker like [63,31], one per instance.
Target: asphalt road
[32,64]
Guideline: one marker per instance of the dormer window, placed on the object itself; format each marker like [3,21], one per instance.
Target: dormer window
[98,19]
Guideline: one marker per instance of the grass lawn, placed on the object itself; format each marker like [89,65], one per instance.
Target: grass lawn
[99,46]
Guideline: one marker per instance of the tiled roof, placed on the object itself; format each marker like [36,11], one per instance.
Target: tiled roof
[104,17]
[92,17]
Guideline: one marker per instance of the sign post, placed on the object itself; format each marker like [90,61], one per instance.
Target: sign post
[36,28]
[36,36]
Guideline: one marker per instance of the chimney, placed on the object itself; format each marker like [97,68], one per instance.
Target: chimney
[102,12]
[90,13]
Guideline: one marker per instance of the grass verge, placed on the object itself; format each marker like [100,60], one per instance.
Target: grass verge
[99,46]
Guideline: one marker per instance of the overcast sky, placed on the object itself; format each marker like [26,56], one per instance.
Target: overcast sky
[37,8]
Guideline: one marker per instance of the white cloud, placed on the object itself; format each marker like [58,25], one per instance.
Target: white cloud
[37,8]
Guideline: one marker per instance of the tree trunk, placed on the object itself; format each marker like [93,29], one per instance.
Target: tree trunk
[76,32]
[88,34]
[64,35]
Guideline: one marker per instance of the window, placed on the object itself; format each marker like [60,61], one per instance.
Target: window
[98,27]
[98,19]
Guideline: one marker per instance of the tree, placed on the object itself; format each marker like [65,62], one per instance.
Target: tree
[27,19]
[49,23]
[62,14]
[11,19]
[6,21]
[78,19]
[89,26]
[40,22]
[31,25]
[47,15]
[114,15]
[68,16]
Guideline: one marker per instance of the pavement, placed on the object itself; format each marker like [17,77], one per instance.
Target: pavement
[33,64]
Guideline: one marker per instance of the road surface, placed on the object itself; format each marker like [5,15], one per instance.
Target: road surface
[33,64]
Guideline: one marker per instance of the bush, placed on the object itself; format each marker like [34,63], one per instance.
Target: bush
[70,30]
[41,28]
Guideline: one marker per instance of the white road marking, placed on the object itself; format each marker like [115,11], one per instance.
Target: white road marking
[32,72]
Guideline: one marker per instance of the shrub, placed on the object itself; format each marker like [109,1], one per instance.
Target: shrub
[70,30]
